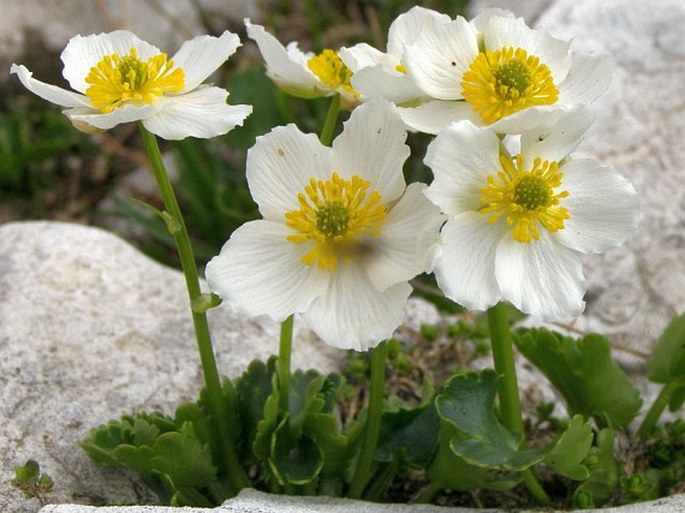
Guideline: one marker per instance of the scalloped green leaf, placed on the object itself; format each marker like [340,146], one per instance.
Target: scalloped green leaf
[183,458]
[604,473]
[467,401]
[106,438]
[409,434]
[144,433]
[447,470]
[584,373]
[294,459]
[305,398]
[323,428]
[571,449]
[138,459]
[667,361]
[258,398]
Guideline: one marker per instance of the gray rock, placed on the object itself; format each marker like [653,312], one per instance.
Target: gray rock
[251,501]
[92,329]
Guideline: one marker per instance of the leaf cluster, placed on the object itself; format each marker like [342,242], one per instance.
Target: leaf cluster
[31,482]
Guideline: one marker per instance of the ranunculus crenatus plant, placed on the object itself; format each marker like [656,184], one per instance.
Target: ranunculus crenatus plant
[507,220]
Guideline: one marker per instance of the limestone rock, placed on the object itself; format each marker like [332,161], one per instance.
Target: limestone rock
[251,501]
[92,329]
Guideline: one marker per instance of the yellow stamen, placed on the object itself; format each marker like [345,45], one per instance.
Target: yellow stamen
[526,197]
[333,215]
[505,81]
[116,80]
[332,70]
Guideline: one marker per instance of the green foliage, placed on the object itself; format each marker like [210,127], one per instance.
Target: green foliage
[667,362]
[583,371]
[31,482]
[604,473]
[31,135]
[467,402]
[408,434]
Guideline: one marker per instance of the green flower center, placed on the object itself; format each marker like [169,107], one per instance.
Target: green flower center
[513,75]
[532,192]
[333,218]
[525,197]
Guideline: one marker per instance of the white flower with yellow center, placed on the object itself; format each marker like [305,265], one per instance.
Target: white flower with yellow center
[118,78]
[499,73]
[341,234]
[518,226]
[379,74]
[304,74]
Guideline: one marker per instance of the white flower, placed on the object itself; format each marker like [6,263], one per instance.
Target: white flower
[118,78]
[340,235]
[497,72]
[301,74]
[518,226]
[382,75]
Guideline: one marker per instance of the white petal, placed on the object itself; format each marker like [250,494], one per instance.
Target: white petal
[123,114]
[541,278]
[481,20]
[49,92]
[280,65]
[440,57]
[380,82]
[603,207]
[432,116]
[363,55]
[530,118]
[259,272]
[556,142]
[353,314]
[372,146]
[279,166]
[555,53]
[465,268]
[202,55]
[200,113]
[407,26]
[461,157]
[84,52]
[588,78]
[407,243]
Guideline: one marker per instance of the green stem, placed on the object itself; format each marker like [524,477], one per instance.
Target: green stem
[381,481]
[373,422]
[658,407]
[284,353]
[331,119]
[428,493]
[509,402]
[503,355]
[217,403]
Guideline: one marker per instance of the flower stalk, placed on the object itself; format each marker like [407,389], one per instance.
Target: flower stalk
[658,407]
[284,357]
[331,119]
[218,404]
[373,422]
[509,401]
